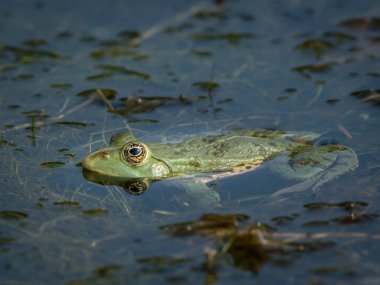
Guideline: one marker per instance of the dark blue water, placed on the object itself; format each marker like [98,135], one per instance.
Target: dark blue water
[286,66]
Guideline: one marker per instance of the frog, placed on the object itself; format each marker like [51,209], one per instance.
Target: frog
[135,165]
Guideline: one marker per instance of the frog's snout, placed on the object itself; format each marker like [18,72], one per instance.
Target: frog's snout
[92,161]
[87,163]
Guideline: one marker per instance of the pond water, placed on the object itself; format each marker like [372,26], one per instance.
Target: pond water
[73,73]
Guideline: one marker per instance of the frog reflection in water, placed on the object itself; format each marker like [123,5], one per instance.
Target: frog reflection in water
[134,164]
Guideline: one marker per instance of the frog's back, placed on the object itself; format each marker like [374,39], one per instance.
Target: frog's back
[218,153]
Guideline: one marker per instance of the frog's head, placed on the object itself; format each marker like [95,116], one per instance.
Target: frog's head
[126,157]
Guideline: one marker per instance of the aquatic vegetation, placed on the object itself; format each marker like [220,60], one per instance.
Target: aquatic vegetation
[370,95]
[107,93]
[66,203]
[62,86]
[52,164]
[206,85]
[6,240]
[317,46]
[308,69]
[201,53]
[249,245]
[345,205]
[123,46]
[94,212]
[209,14]
[35,42]
[26,55]
[372,24]
[112,69]
[332,101]
[233,38]
[354,213]
[70,124]
[70,79]
[13,215]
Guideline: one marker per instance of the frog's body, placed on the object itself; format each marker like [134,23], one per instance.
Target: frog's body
[291,155]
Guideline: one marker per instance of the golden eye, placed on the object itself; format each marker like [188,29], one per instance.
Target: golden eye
[134,153]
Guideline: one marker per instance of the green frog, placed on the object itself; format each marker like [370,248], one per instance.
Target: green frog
[135,164]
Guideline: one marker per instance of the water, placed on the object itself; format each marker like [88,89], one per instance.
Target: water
[289,66]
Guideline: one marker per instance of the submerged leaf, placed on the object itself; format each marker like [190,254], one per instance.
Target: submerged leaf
[51,164]
[230,37]
[123,70]
[24,55]
[66,203]
[313,68]
[317,46]
[36,42]
[206,85]
[105,271]
[61,85]
[94,212]
[108,93]
[210,224]
[71,124]
[99,76]
[6,240]
[369,95]
[362,23]
[13,215]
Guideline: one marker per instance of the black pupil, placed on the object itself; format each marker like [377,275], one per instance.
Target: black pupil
[135,151]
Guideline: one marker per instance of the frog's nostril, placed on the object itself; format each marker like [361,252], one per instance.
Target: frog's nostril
[105,154]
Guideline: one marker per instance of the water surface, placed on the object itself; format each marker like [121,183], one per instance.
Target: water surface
[203,67]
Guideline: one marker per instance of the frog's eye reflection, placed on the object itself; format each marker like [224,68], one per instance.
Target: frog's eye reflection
[135,187]
[134,153]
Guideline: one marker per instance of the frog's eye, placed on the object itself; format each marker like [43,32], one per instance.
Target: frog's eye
[134,153]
